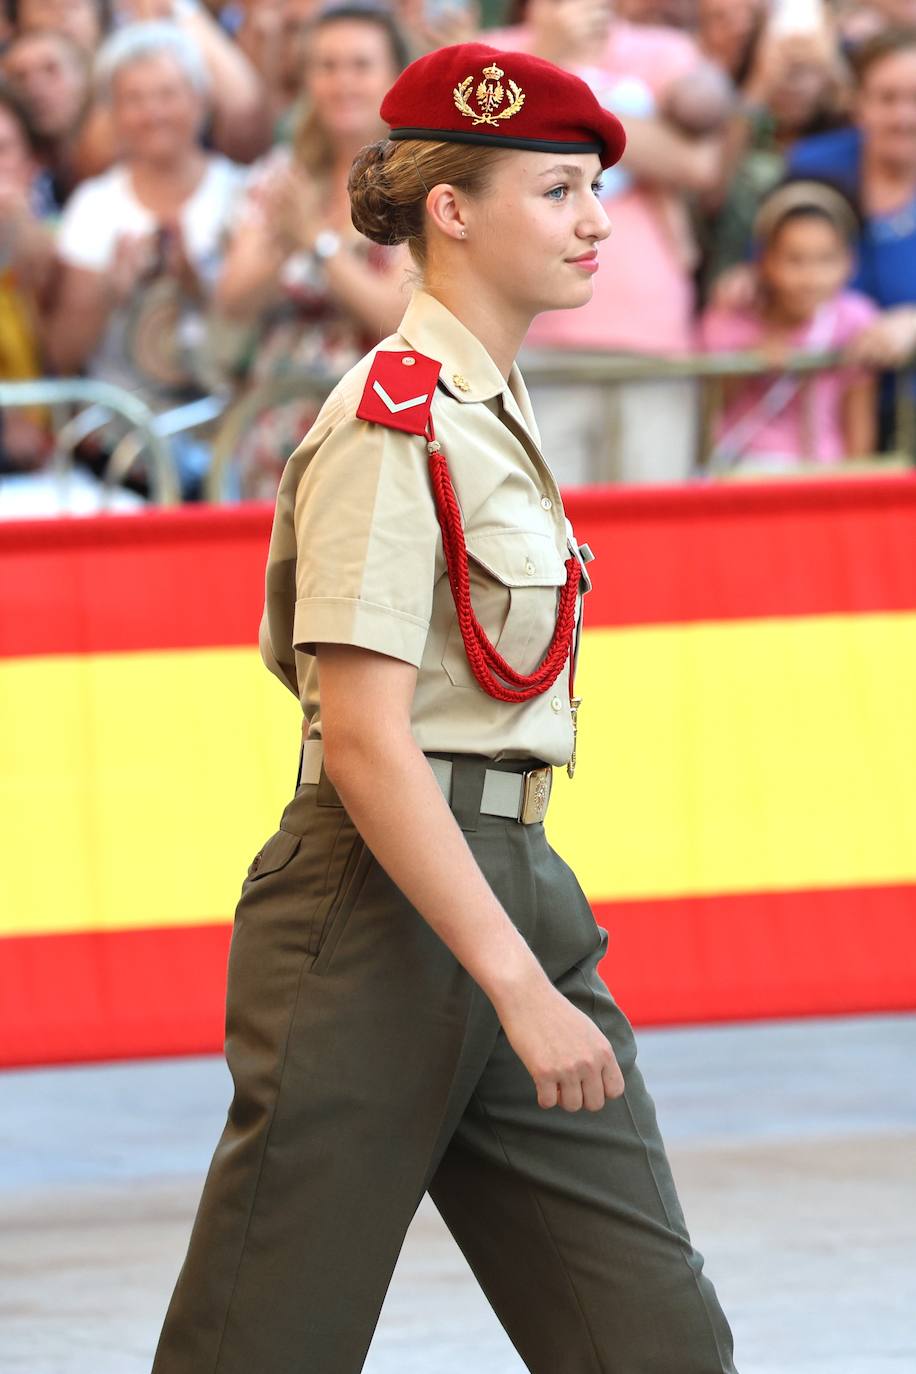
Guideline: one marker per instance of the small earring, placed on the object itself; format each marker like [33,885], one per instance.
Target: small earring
[464,233]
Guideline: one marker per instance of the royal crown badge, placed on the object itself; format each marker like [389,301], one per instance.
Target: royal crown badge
[489,95]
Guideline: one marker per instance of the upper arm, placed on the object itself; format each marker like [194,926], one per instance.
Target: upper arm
[367,540]
[363,693]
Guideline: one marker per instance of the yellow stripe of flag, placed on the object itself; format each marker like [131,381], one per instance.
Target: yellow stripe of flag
[744,756]
[722,757]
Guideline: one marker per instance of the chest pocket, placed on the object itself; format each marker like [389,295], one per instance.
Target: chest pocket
[515,576]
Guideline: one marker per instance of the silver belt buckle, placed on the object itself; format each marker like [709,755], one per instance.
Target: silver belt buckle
[536,794]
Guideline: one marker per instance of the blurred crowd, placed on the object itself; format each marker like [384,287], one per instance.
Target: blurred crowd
[174,218]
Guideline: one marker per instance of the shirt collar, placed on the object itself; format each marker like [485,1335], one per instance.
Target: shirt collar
[468,371]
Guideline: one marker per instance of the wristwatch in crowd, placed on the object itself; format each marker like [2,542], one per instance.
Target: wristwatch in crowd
[326,244]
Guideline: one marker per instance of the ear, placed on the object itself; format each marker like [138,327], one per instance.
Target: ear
[446,207]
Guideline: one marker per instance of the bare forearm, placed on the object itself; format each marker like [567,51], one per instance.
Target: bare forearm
[412,832]
[71,336]
[375,299]
[264,49]
[734,145]
[249,283]
[655,152]
[241,111]
[859,422]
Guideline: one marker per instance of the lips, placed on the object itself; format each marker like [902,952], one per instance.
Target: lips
[590,256]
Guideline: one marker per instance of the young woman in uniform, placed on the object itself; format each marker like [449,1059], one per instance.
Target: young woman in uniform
[413,997]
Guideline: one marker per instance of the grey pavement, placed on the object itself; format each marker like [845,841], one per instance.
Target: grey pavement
[793,1144]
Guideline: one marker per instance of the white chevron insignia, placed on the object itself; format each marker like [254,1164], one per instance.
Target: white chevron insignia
[395,406]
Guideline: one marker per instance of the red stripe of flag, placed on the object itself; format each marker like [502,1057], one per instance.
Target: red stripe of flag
[108,995]
[194,577]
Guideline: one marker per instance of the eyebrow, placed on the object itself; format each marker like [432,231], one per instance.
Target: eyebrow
[566,168]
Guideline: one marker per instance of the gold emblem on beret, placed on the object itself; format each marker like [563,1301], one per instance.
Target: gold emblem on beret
[489,95]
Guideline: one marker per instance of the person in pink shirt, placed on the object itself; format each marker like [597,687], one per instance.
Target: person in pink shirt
[671,100]
[782,422]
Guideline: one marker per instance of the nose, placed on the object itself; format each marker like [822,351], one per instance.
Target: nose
[595,225]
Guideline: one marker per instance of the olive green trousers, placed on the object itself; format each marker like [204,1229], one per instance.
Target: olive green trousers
[369,1067]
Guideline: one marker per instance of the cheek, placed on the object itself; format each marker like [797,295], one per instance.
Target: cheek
[549,231]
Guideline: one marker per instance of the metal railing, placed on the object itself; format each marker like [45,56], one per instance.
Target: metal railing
[292,386]
[98,404]
[148,433]
[710,370]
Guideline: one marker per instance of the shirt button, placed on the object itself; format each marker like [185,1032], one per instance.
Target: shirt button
[529,566]
[546,503]
[556,704]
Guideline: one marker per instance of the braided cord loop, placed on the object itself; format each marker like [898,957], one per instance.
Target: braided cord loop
[487,664]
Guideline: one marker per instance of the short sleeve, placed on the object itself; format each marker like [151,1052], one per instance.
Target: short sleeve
[834,157]
[85,236]
[367,541]
[723,331]
[855,313]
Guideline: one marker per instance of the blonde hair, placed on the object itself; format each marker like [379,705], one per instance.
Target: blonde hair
[389,182]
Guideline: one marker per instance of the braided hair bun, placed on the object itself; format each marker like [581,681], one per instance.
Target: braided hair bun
[382,207]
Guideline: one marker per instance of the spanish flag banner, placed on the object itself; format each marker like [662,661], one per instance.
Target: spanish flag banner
[743,815]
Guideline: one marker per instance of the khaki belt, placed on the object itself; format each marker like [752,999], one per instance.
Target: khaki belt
[519,796]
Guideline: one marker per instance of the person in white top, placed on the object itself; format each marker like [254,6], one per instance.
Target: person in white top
[140,245]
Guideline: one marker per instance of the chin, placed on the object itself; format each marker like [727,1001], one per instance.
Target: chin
[570,297]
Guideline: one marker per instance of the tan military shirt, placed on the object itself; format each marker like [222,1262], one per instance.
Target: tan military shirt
[356,550]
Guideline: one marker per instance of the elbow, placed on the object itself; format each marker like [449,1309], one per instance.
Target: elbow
[356,749]
[346,752]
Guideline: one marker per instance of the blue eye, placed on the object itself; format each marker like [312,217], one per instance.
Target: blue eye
[598,186]
[550,194]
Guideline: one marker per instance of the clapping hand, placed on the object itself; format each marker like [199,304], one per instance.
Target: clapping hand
[138,11]
[290,203]
[176,262]
[143,256]
[455,21]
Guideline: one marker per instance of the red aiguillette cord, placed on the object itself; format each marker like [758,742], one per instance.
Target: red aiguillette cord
[487,664]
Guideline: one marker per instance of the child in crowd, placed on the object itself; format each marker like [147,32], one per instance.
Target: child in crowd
[804,232]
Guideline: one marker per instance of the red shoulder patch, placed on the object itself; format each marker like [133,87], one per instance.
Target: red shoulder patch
[399,390]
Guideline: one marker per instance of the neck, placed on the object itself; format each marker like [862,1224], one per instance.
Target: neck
[890,174]
[176,175]
[499,328]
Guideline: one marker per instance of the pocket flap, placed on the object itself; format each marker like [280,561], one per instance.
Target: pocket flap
[517,557]
[278,851]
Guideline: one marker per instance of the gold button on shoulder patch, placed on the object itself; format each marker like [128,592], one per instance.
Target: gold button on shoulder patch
[408,362]
[460,382]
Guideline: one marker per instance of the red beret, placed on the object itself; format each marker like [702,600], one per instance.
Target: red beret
[472,93]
